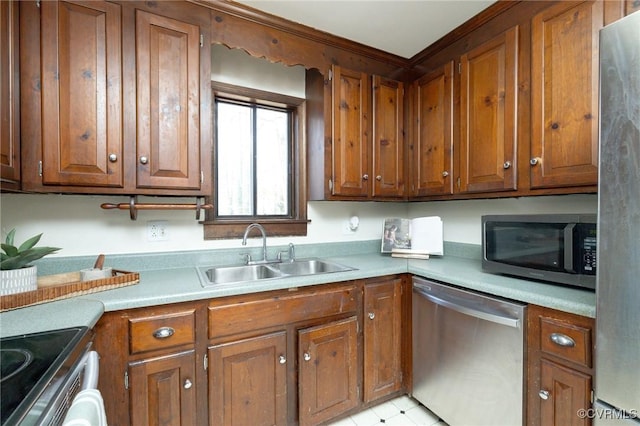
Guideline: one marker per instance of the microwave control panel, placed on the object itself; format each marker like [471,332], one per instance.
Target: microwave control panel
[588,258]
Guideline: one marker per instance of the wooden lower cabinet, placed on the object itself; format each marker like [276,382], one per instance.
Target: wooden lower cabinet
[248,381]
[293,356]
[328,370]
[382,338]
[560,367]
[163,390]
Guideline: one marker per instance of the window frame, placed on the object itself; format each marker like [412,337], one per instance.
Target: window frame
[296,224]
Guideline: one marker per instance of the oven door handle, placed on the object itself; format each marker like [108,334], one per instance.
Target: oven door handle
[91,370]
[473,311]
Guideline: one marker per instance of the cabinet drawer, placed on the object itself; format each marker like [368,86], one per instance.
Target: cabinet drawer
[567,341]
[247,314]
[161,331]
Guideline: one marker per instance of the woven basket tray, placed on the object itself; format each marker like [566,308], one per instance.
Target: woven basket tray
[65,286]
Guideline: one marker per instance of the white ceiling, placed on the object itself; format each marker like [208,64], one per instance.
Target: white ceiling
[401,27]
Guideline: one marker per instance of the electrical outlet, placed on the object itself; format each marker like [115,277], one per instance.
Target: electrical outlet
[158,230]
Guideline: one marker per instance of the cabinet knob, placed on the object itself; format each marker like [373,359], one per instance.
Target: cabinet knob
[372,315]
[113,158]
[534,161]
[306,356]
[562,340]
[543,394]
[445,173]
[365,177]
[144,160]
[506,165]
[378,178]
[163,333]
[187,384]
[282,359]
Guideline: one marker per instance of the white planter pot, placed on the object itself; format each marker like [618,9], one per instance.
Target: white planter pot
[18,280]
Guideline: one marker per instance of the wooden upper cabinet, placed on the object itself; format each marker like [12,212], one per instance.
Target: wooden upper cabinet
[9,95]
[564,82]
[488,115]
[350,147]
[82,142]
[388,138]
[168,102]
[432,159]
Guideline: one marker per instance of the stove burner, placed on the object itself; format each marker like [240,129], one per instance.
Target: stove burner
[13,361]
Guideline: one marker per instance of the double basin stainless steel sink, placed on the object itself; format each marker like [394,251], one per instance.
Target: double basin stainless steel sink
[220,275]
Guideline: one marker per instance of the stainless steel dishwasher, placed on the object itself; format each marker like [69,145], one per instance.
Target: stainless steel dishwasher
[468,351]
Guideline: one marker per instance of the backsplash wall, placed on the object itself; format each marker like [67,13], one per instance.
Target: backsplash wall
[78,225]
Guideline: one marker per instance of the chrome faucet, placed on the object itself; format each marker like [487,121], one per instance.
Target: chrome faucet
[264,240]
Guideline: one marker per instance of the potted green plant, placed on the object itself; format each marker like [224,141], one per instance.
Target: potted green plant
[16,272]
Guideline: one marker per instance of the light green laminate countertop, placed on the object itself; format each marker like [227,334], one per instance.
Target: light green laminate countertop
[180,284]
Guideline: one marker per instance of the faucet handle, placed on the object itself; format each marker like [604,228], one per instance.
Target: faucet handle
[292,252]
[247,258]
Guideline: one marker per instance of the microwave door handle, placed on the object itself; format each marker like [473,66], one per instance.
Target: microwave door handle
[568,247]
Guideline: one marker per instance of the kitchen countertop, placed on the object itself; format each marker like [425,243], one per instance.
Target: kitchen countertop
[180,284]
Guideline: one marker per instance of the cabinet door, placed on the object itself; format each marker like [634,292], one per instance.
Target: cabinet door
[247,381]
[564,95]
[162,390]
[9,94]
[382,339]
[433,144]
[168,102]
[350,132]
[388,138]
[567,392]
[488,115]
[327,364]
[81,93]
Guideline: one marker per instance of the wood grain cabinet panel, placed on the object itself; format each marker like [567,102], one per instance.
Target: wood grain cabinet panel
[488,115]
[82,135]
[564,83]
[163,390]
[168,102]
[328,377]
[432,153]
[350,132]
[382,338]
[559,367]
[388,139]
[9,95]
[247,381]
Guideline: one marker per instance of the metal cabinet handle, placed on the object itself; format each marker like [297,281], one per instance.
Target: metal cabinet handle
[445,173]
[113,158]
[543,394]
[534,161]
[365,177]
[378,178]
[163,333]
[562,340]
[187,384]
[306,356]
[282,359]
[144,160]
[372,315]
[506,165]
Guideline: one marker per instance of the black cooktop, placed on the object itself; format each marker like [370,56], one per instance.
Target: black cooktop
[28,365]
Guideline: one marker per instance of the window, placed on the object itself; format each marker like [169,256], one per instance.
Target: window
[258,164]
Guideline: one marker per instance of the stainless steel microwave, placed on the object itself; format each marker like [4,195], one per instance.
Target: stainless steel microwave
[558,248]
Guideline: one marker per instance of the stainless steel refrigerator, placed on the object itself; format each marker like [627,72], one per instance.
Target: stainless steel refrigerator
[617,382]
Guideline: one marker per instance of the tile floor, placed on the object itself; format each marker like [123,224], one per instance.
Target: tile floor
[402,411]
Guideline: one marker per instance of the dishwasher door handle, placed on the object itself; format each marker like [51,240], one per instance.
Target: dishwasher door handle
[471,311]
